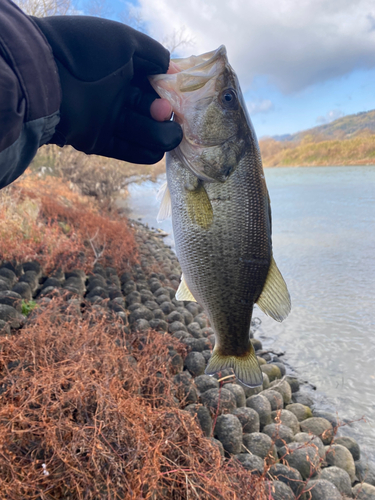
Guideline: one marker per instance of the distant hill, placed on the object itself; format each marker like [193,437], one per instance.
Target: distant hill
[347,141]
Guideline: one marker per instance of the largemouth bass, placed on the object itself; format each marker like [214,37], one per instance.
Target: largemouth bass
[221,216]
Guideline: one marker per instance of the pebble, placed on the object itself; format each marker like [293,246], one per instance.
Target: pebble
[283,388]
[331,417]
[288,475]
[280,491]
[319,427]
[303,398]
[320,489]
[252,463]
[140,313]
[238,393]
[339,477]
[216,443]
[229,432]
[293,382]
[259,444]
[338,455]
[262,406]
[205,383]
[22,289]
[351,444]
[302,412]
[272,371]
[303,437]
[8,276]
[364,491]
[219,401]
[365,471]
[203,416]
[303,458]
[195,363]
[287,418]
[176,326]
[4,327]
[185,391]
[275,399]
[279,433]
[11,316]
[195,330]
[12,299]
[249,419]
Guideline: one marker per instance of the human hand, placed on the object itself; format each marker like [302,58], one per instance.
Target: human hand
[108,106]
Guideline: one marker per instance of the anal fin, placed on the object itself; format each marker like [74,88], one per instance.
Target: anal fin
[275,299]
[246,368]
[183,292]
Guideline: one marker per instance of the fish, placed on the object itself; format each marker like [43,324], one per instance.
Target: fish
[217,196]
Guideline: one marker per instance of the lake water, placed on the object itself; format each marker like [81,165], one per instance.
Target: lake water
[324,245]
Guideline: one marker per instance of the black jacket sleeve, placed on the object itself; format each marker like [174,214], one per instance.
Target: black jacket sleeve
[30,94]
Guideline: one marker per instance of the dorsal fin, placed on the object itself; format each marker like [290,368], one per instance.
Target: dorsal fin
[274,299]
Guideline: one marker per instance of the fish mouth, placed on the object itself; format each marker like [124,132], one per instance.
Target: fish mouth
[201,62]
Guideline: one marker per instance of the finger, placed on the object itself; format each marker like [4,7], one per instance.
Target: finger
[136,128]
[173,68]
[133,153]
[161,110]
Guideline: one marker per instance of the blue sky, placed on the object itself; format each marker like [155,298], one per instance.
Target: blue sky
[300,63]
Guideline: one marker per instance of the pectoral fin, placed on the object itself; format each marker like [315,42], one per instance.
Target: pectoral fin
[246,368]
[183,292]
[274,299]
[165,210]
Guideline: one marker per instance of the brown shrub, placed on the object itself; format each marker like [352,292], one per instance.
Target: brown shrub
[76,420]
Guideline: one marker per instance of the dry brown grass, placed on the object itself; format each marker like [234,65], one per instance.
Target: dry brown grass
[48,221]
[79,421]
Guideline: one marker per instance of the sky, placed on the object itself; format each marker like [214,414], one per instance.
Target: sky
[300,63]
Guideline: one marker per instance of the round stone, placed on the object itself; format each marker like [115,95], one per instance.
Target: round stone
[203,416]
[288,475]
[257,344]
[185,391]
[280,366]
[195,330]
[167,307]
[176,326]
[303,437]
[195,363]
[287,418]
[140,325]
[252,463]
[339,477]
[293,382]
[162,298]
[283,388]
[280,491]
[201,320]
[131,298]
[11,299]
[238,393]
[319,427]
[228,430]
[141,313]
[198,345]
[305,459]
[129,287]
[8,275]
[11,316]
[275,399]
[303,398]
[216,443]
[320,489]
[338,455]
[159,325]
[262,406]
[364,491]
[331,417]
[351,444]
[272,371]
[259,444]
[193,308]
[302,412]
[249,419]
[175,316]
[151,304]
[187,317]
[280,434]
[205,383]
[219,401]
[365,471]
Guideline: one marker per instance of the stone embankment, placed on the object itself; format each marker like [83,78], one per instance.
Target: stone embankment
[274,430]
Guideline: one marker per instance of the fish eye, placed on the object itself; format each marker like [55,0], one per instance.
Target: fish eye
[229,99]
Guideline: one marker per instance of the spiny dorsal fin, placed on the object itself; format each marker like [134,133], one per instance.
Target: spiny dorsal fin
[183,292]
[165,210]
[274,299]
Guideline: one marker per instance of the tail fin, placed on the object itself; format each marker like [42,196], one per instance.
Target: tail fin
[246,368]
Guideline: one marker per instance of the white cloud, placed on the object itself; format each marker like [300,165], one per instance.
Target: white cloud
[295,43]
[332,115]
[260,106]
